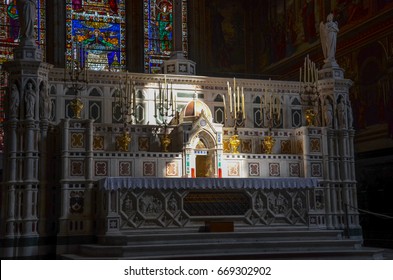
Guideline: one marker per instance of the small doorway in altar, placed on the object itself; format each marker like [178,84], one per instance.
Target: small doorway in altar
[204,163]
[204,166]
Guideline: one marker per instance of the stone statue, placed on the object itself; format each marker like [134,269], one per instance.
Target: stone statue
[45,103]
[328,113]
[30,101]
[27,10]
[341,114]
[14,101]
[328,32]
[349,114]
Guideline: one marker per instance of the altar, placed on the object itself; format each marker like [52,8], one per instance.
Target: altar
[140,203]
[173,152]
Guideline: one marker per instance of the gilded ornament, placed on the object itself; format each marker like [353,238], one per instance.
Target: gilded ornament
[123,141]
[76,107]
[235,143]
[310,117]
[268,143]
[165,142]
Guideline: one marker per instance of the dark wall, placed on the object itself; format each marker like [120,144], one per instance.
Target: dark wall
[225,37]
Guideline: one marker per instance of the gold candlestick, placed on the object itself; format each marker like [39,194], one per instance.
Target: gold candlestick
[268,144]
[235,143]
[123,141]
[165,142]
[76,107]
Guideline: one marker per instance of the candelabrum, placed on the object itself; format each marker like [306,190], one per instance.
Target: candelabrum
[309,92]
[237,113]
[271,112]
[76,69]
[125,101]
[164,110]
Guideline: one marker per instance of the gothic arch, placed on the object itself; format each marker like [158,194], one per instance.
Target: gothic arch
[205,137]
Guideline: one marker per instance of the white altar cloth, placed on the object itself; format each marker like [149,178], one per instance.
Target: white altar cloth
[115,183]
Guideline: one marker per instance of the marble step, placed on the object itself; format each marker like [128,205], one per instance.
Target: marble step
[171,237]
[242,244]
[224,247]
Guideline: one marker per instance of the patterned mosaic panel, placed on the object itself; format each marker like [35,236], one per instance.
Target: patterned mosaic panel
[95,111]
[77,140]
[319,197]
[294,169]
[151,208]
[286,146]
[299,146]
[125,168]
[149,168]
[274,169]
[246,146]
[98,143]
[172,169]
[144,144]
[315,145]
[169,209]
[101,168]
[253,169]
[150,205]
[226,146]
[296,118]
[77,168]
[316,169]
[234,169]
[77,199]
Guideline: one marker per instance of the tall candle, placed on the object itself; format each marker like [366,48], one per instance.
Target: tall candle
[172,95]
[167,96]
[230,100]
[155,103]
[134,96]
[238,99]
[300,74]
[225,107]
[243,107]
[234,102]
[270,105]
[159,93]
[261,106]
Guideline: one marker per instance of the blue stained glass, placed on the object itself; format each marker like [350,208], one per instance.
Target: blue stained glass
[98,27]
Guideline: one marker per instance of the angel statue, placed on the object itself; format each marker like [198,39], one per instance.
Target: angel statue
[328,32]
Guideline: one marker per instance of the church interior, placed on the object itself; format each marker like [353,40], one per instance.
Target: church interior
[179,129]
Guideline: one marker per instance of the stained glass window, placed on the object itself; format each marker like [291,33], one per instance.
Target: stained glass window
[9,28]
[97,26]
[158,32]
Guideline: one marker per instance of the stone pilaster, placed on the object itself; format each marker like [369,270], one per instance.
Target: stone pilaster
[25,197]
